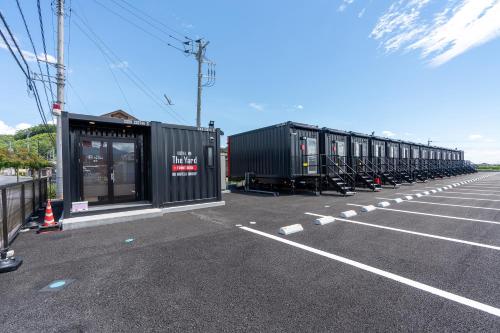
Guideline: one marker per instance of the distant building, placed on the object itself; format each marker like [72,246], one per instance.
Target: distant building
[120,114]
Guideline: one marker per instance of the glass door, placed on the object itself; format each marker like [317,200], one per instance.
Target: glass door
[123,171]
[312,156]
[109,170]
[95,170]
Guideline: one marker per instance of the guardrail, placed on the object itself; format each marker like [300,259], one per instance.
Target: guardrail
[18,202]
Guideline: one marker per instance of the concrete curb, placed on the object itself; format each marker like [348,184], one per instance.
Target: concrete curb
[348,213]
[129,216]
[291,229]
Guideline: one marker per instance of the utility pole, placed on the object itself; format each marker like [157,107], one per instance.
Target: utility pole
[59,105]
[429,142]
[200,54]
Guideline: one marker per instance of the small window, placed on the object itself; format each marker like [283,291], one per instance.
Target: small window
[210,156]
[357,149]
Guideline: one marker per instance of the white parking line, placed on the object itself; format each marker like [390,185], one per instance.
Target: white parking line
[411,283]
[477,199]
[443,204]
[467,189]
[467,193]
[455,240]
[433,215]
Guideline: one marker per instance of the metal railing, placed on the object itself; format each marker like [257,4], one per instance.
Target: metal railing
[18,202]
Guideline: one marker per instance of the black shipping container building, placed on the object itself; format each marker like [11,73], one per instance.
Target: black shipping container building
[112,163]
[283,154]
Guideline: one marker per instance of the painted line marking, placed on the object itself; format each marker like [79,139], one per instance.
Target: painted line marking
[411,283]
[466,193]
[482,187]
[405,231]
[434,215]
[474,190]
[477,199]
[443,204]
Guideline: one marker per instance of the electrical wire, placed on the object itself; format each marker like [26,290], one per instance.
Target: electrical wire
[128,72]
[138,10]
[44,45]
[26,72]
[139,83]
[36,54]
[136,25]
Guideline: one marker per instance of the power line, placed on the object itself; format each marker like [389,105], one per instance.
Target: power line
[148,20]
[138,26]
[31,84]
[44,45]
[77,95]
[68,44]
[36,54]
[136,9]
[139,83]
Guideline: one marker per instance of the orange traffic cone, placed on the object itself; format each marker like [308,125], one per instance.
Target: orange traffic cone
[49,223]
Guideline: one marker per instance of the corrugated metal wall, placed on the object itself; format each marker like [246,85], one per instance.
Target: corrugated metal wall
[189,164]
[265,152]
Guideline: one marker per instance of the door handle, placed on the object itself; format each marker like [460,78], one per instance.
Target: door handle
[113,176]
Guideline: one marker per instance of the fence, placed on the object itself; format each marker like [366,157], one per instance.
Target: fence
[18,202]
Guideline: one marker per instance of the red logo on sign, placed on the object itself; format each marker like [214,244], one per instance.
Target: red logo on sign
[184,167]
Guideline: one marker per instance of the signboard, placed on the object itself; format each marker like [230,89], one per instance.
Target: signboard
[79,206]
[184,164]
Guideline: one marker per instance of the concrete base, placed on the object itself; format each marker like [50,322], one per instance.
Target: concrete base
[129,216]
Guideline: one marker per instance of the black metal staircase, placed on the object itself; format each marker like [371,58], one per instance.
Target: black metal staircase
[337,175]
[365,175]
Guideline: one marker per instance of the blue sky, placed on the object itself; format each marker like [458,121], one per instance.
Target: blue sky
[413,69]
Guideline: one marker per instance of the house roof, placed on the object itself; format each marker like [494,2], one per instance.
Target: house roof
[119,114]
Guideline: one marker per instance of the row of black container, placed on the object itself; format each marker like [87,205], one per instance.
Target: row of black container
[298,155]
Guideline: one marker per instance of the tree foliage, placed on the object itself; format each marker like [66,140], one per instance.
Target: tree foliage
[34,130]
[22,158]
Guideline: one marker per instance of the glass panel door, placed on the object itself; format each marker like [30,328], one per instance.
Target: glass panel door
[94,161]
[312,156]
[123,171]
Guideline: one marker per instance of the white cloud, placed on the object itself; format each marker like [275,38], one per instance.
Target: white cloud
[361,13]
[475,137]
[120,65]
[29,56]
[388,134]
[299,107]
[6,129]
[448,28]
[256,106]
[344,5]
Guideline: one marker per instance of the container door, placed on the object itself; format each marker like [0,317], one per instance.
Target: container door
[109,170]
[341,148]
[95,170]
[123,172]
[312,156]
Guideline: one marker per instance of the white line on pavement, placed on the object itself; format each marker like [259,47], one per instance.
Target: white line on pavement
[433,215]
[474,190]
[482,187]
[455,240]
[477,199]
[443,204]
[412,283]
[467,193]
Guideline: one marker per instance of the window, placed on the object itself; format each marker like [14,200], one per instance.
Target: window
[210,156]
[340,148]
[357,149]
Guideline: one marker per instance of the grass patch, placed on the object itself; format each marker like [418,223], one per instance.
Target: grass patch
[488,167]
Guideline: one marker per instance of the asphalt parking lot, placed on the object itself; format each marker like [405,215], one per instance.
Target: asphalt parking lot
[426,264]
